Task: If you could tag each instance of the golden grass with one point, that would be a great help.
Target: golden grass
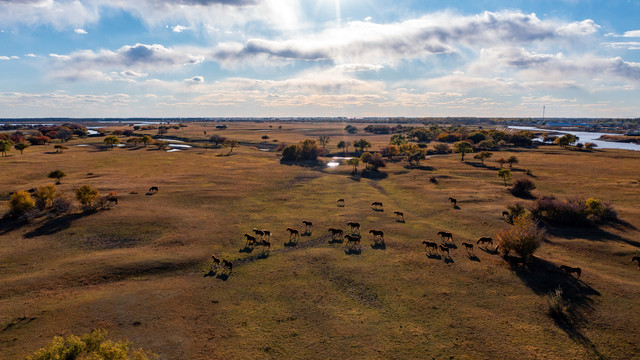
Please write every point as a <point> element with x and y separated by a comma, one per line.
<point>136,269</point>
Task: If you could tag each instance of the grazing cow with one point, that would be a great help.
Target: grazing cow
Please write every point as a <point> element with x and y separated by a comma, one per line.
<point>340,202</point>
<point>216,261</point>
<point>445,235</point>
<point>636,258</point>
<point>258,232</point>
<point>251,240</point>
<point>293,233</point>
<point>307,225</point>
<point>484,240</point>
<point>153,189</point>
<point>468,246</point>
<point>430,245</point>
<point>399,215</point>
<point>376,205</point>
<point>335,232</point>
<point>227,264</point>
<point>353,240</point>
<point>354,226</point>
<point>454,202</point>
<point>570,270</point>
<point>444,249</point>
<point>267,234</point>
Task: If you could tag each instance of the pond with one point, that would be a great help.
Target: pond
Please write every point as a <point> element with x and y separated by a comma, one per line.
<point>585,137</point>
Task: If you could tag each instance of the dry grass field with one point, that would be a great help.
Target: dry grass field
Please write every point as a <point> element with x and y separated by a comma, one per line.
<point>137,269</point>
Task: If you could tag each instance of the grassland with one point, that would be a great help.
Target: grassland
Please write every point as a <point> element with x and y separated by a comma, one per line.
<point>136,269</point>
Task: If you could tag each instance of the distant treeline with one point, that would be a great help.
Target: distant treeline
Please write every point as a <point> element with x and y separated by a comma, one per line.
<point>381,120</point>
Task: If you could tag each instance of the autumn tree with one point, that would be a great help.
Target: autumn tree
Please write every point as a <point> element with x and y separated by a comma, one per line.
<point>45,195</point>
<point>21,202</point>
<point>5,145</point>
<point>512,160</point>
<point>398,139</point>
<point>86,194</point>
<point>523,238</point>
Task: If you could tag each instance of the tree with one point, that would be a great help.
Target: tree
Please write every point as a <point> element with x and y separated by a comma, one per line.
<point>21,202</point>
<point>5,145</point>
<point>324,140</point>
<point>45,195</point>
<point>483,155</point>
<point>354,162</point>
<point>86,194</point>
<point>57,174</point>
<point>146,140</point>
<point>111,141</point>
<point>462,147</point>
<point>442,148</point>
<point>342,145</point>
<point>512,160</point>
<point>416,157</point>
<point>162,145</point>
<point>398,139</point>
<point>502,161</point>
<point>21,146</point>
<point>229,143</point>
<point>362,144</point>
<point>290,153</point>
<point>351,129</point>
<point>366,159</point>
<point>505,175</point>
<point>60,147</point>
<point>523,238</point>
<point>566,140</point>
<point>90,346</point>
<point>217,139</point>
<point>265,138</point>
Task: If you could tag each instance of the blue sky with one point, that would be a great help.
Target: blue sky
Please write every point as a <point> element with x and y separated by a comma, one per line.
<point>268,58</point>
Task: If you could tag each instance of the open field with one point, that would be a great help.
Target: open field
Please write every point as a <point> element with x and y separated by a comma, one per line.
<point>137,269</point>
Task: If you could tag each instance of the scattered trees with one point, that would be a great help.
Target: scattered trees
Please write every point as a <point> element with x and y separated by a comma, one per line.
<point>505,175</point>
<point>146,140</point>
<point>354,162</point>
<point>398,139</point>
<point>362,144</point>
<point>566,140</point>
<point>501,161</point>
<point>416,156</point>
<point>574,212</point>
<point>217,139</point>
<point>512,160</point>
<point>324,140</point>
<point>58,175</point>
<point>463,147</point>
<point>344,145</point>
<point>306,150</point>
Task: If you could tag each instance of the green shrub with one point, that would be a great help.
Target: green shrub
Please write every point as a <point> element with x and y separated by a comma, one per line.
<point>86,194</point>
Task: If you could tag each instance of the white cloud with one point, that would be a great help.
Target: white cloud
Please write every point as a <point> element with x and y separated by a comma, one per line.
<point>80,31</point>
<point>388,44</point>
<point>30,55</point>
<point>6,58</point>
<point>180,28</point>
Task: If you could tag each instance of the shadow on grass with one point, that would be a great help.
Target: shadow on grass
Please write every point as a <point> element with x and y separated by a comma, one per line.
<point>448,260</point>
<point>400,221</point>
<point>380,245</point>
<point>450,245</point>
<point>592,233</point>
<point>315,164</point>
<point>479,165</point>
<point>246,250</point>
<point>57,224</point>
<point>433,256</point>
<point>373,174</point>
<point>306,233</point>
<point>420,167</point>
<point>544,277</point>
<point>473,257</point>
<point>353,251</point>
<point>291,243</point>
<point>377,209</point>
<point>490,251</point>
<point>456,207</point>
<point>336,241</point>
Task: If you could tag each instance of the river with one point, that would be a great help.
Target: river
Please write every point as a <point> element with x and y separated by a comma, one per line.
<point>585,137</point>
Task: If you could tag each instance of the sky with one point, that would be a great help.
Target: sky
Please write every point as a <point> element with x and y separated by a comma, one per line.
<point>320,58</point>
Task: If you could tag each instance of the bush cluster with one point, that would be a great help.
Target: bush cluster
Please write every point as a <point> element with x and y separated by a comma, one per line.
<point>574,212</point>
<point>522,187</point>
<point>523,238</point>
<point>304,151</point>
